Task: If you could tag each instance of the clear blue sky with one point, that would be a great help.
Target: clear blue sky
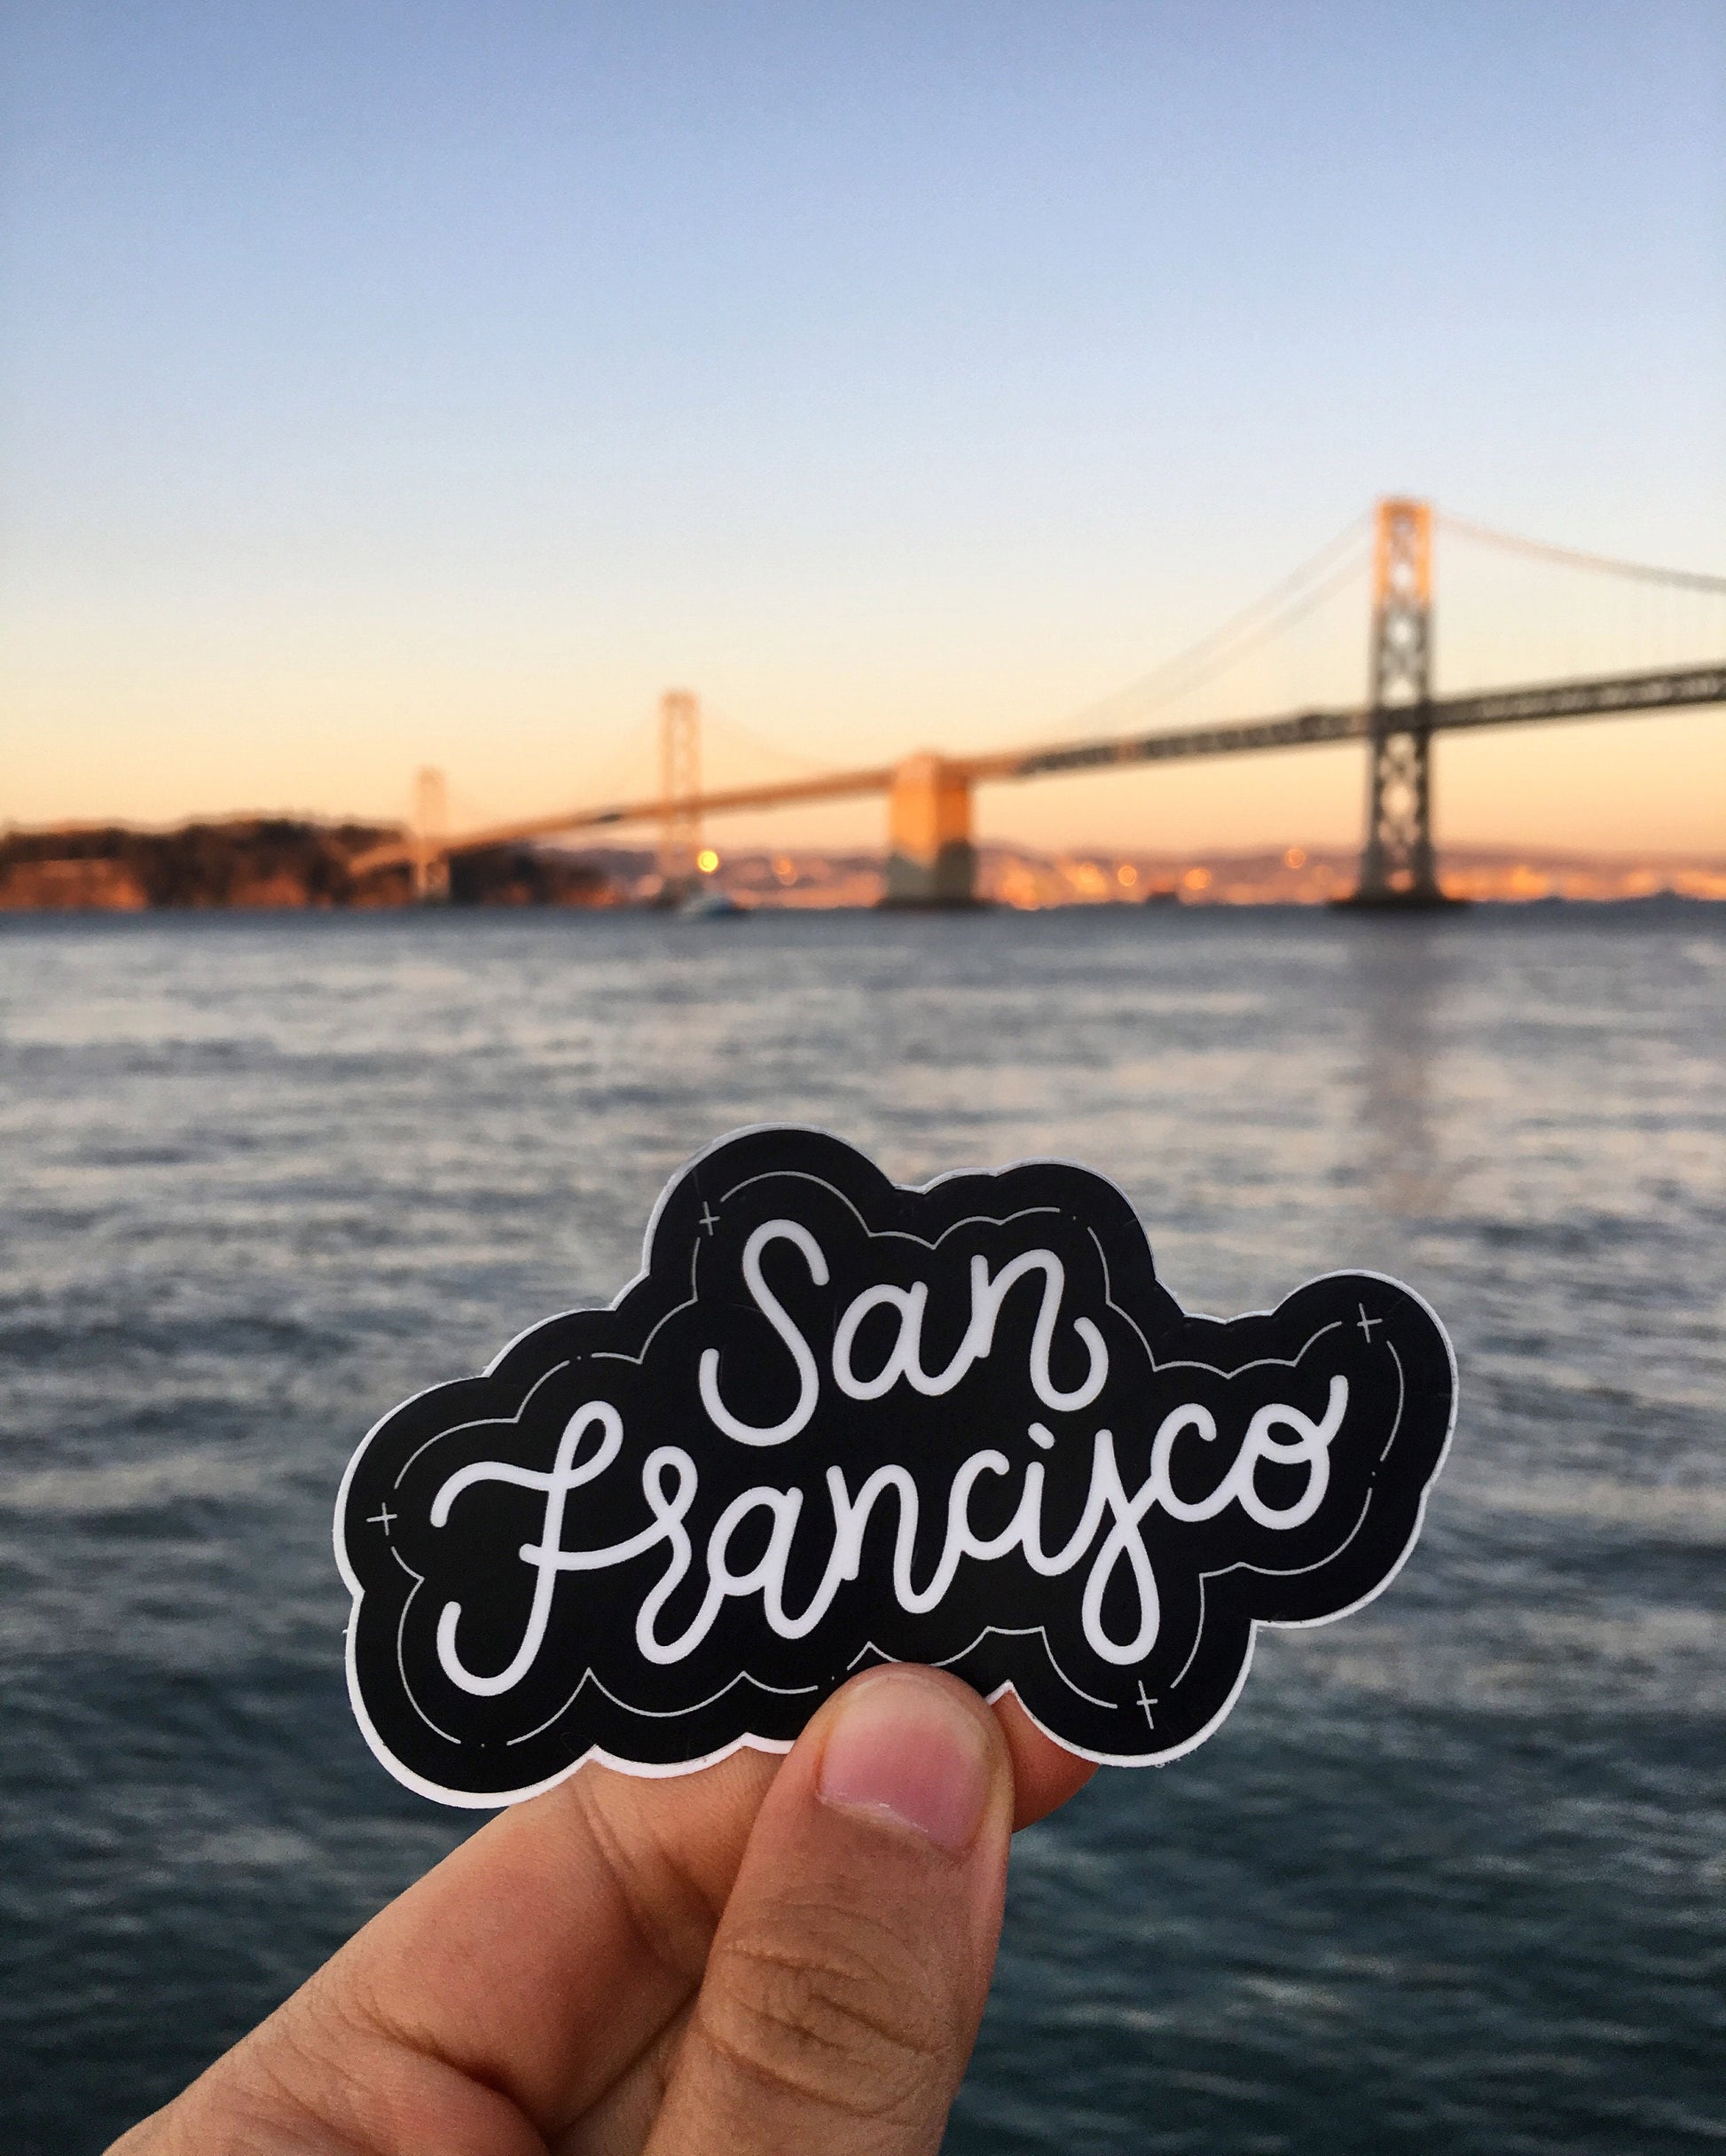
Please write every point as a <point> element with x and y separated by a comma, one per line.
<point>393,383</point>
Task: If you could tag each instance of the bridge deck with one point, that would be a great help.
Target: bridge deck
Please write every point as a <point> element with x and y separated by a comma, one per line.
<point>1617,695</point>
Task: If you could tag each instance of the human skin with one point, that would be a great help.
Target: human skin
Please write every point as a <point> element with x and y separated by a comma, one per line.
<point>774,1954</point>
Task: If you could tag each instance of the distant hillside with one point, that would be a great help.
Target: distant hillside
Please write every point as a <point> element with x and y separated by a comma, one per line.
<point>263,861</point>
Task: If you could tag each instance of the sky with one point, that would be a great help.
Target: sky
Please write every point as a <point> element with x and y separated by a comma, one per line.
<point>388,385</point>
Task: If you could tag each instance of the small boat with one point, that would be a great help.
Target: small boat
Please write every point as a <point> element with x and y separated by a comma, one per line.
<point>708,901</point>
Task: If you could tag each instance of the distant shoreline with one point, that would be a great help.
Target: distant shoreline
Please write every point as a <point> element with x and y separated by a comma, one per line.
<point>264,864</point>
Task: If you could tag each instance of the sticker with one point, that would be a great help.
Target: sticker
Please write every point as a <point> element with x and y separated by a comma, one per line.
<point>834,1421</point>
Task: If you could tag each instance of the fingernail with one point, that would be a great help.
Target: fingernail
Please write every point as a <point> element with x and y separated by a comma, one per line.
<point>905,1749</point>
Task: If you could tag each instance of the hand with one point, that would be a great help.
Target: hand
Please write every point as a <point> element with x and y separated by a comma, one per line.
<point>771,1955</point>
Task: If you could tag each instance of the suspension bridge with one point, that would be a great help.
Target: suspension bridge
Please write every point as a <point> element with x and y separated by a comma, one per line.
<point>931,857</point>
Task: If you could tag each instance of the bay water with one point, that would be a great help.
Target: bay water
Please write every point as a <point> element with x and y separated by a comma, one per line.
<point>1451,1877</point>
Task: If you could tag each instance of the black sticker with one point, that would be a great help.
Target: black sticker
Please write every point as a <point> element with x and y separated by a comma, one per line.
<point>833,1421</point>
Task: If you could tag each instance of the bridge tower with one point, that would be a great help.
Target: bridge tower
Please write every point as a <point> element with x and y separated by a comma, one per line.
<point>679,784</point>
<point>1397,864</point>
<point>431,829</point>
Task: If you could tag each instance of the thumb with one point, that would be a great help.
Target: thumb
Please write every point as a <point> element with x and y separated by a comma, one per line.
<point>848,1971</point>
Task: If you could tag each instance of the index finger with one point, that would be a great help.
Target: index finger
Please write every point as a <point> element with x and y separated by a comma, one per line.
<point>1045,1774</point>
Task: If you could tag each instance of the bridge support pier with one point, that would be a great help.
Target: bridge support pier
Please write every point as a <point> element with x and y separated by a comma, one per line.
<point>430,863</point>
<point>931,861</point>
<point>1398,865</point>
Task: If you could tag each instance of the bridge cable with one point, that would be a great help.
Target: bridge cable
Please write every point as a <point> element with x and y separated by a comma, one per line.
<point>716,721</point>
<point>1571,557</point>
<point>1243,633</point>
